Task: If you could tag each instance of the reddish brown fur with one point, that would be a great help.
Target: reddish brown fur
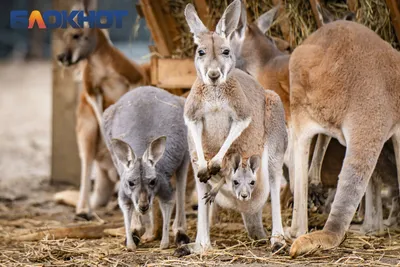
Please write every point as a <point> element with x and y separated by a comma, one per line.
<point>345,79</point>
<point>110,74</point>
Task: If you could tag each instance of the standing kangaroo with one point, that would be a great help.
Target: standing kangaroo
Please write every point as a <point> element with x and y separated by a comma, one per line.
<point>227,110</point>
<point>147,138</point>
<point>107,75</point>
<point>343,81</point>
<point>258,55</point>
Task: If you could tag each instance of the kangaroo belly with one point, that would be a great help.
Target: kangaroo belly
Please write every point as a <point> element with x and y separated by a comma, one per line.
<point>215,130</point>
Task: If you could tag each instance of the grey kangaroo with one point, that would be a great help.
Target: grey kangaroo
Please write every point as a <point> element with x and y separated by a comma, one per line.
<point>147,137</point>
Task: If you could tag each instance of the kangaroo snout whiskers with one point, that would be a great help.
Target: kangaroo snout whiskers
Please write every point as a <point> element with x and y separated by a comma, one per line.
<point>214,75</point>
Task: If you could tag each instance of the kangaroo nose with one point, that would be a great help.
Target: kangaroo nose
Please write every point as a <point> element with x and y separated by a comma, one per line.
<point>244,195</point>
<point>213,75</point>
<point>144,208</point>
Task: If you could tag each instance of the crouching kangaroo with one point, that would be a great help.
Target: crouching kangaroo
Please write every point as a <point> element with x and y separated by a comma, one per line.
<point>147,137</point>
<point>228,111</point>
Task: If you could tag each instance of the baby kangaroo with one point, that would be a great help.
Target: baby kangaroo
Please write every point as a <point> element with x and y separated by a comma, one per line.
<point>147,138</point>
<point>241,179</point>
<point>228,111</point>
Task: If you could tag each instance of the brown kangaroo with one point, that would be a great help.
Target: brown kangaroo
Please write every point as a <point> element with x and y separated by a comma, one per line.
<point>107,75</point>
<point>227,110</point>
<point>343,82</point>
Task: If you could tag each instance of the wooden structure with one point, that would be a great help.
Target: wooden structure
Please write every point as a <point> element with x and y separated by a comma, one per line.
<point>65,164</point>
<point>180,73</point>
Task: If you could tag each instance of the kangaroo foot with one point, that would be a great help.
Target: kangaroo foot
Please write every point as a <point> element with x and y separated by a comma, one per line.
<point>313,242</point>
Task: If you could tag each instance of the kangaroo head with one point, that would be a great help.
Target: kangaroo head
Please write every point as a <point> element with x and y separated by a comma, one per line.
<point>249,38</point>
<point>244,178</point>
<point>214,60</point>
<point>139,179</point>
<point>78,43</point>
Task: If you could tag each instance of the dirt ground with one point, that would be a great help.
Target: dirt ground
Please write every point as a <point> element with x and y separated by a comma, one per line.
<point>26,204</point>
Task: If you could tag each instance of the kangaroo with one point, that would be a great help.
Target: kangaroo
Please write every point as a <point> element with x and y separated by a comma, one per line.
<point>107,75</point>
<point>240,179</point>
<point>344,102</point>
<point>227,110</point>
<point>148,139</point>
<point>258,55</point>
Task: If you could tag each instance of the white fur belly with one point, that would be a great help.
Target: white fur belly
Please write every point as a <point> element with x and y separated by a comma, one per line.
<point>216,129</point>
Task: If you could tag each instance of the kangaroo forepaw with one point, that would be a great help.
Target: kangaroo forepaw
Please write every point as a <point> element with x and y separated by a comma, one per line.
<point>214,167</point>
<point>203,175</point>
<point>136,237</point>
<point>209,197</point>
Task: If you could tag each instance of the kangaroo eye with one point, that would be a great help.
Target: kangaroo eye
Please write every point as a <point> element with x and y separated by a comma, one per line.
<point>152,182</point>
<point>235,182</point>
<point>226,52</point>
<point>201,53</point>
<point>252,182</point>
<point>76,36</point>
<point>131,183</point>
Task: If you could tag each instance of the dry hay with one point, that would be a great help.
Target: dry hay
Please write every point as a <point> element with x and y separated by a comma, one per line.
<point>230,242</point>
<point>298,16</point>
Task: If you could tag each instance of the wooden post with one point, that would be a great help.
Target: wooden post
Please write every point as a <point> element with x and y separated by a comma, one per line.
<point>65,165</point>
<point>315,11</point>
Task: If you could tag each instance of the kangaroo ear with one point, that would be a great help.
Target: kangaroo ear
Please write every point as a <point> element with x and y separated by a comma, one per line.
<point>324,15</point>
<point>155,150</point>
<point>264,22</point>
<point>254,163</point>
<point>236,161</point>
<point>124,153</point>
<point>195,24</point>
<point>229,20</point>
<point>241,28</point>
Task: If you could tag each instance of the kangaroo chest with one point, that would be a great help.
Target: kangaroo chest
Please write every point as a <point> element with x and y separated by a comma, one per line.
<point>217,120</point>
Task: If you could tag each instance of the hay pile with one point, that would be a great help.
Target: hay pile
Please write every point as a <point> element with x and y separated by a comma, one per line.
<point>298,16</point>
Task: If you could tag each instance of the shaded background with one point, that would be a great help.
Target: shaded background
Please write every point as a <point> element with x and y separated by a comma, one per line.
<point>26,92</point>
<point>35,43</point>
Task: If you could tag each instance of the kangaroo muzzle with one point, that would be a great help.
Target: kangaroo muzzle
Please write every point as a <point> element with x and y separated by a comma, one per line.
<point>214,75</point>
<point>144,203</point>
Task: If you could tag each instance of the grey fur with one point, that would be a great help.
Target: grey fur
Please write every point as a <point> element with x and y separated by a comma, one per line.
<point>141,118</point>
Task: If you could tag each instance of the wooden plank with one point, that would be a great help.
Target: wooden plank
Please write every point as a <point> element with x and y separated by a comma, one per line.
<point>155,22</point>
<point>394,15</point>
<point>175,73</point>
<point>65,164</point>
<point>315,12</point>
<point>203,11</point>
<point>353,5</point>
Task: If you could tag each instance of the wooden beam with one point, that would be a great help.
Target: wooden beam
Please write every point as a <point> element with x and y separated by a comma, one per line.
<point>173,73</point>
<point>394,15</point>
<point>65,164</point>
<point>353,5</point>
<point>152,11</point>
<point>203,11</point>
<point>315,12</point>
